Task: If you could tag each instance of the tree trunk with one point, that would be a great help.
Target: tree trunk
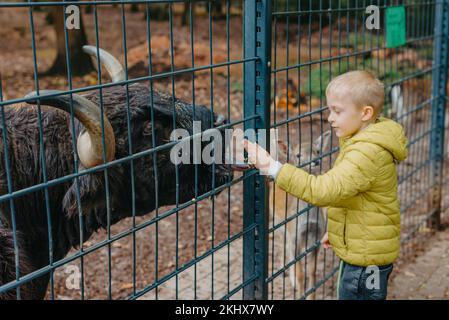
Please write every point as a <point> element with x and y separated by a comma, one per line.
<point>185,18</point>
<point>158,11</point>
<point>217,9</point>
<point>134,7</point>
<point>80,63</point>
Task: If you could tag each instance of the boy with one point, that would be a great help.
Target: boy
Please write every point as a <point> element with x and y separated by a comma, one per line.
<point>360,190</point>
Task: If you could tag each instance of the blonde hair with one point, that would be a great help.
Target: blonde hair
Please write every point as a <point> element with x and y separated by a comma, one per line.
<point>366,89</point>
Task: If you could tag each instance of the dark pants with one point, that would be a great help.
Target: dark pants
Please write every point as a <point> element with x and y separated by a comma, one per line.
<point>363,283</point>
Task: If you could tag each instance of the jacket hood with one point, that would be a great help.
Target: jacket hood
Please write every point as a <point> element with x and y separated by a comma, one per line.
<point>386,133</point>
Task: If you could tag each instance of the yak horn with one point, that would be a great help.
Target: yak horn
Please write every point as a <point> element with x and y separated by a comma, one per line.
<point>89,142</point>
<point>112,65</point>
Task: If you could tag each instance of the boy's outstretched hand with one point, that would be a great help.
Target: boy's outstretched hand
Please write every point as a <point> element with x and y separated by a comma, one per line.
<point>258,156</point>
<point>325,241</point>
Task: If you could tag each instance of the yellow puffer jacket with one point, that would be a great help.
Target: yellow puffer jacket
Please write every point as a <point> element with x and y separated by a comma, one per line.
<point>360,192</point>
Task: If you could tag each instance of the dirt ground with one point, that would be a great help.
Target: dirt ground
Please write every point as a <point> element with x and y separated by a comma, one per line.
<point>426,276</point>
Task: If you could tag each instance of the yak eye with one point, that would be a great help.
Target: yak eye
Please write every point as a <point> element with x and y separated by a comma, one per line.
<point>147,129</point>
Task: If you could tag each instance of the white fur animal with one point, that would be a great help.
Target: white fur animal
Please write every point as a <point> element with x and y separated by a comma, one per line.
<point>309,227</point>
<point>397,102</point>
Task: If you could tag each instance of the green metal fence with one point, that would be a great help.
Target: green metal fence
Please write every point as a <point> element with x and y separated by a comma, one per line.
<point>134,231</point>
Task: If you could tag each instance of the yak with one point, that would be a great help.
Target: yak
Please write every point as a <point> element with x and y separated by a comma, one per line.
<point>135,118</point>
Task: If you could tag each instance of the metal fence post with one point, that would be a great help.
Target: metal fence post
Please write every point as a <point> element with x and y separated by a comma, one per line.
<point>439,83</point>
<point>257,43</point>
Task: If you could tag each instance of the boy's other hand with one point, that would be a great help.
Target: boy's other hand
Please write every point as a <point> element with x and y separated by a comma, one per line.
<point>325,241</point>
<point>258,156</point>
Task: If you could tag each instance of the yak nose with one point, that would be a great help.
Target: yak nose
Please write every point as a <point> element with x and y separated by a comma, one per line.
<point>219,120</point>
<point>316,163</point>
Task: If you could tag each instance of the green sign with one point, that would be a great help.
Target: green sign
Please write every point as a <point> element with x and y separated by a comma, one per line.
<point>395,26</point>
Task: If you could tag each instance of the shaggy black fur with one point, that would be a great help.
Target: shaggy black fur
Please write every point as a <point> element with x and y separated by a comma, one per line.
<point>26,170</point>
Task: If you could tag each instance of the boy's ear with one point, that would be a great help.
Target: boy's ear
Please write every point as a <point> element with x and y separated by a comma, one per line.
<point>368,113</point>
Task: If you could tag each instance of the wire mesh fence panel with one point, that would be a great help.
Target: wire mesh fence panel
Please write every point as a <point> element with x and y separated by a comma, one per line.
<point>92,205</point>
<point>313,42</point>
<point>114,184</point>
<point>445,181</point>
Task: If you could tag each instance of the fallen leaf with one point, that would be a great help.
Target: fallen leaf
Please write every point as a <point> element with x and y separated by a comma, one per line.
<point>126,286</point>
